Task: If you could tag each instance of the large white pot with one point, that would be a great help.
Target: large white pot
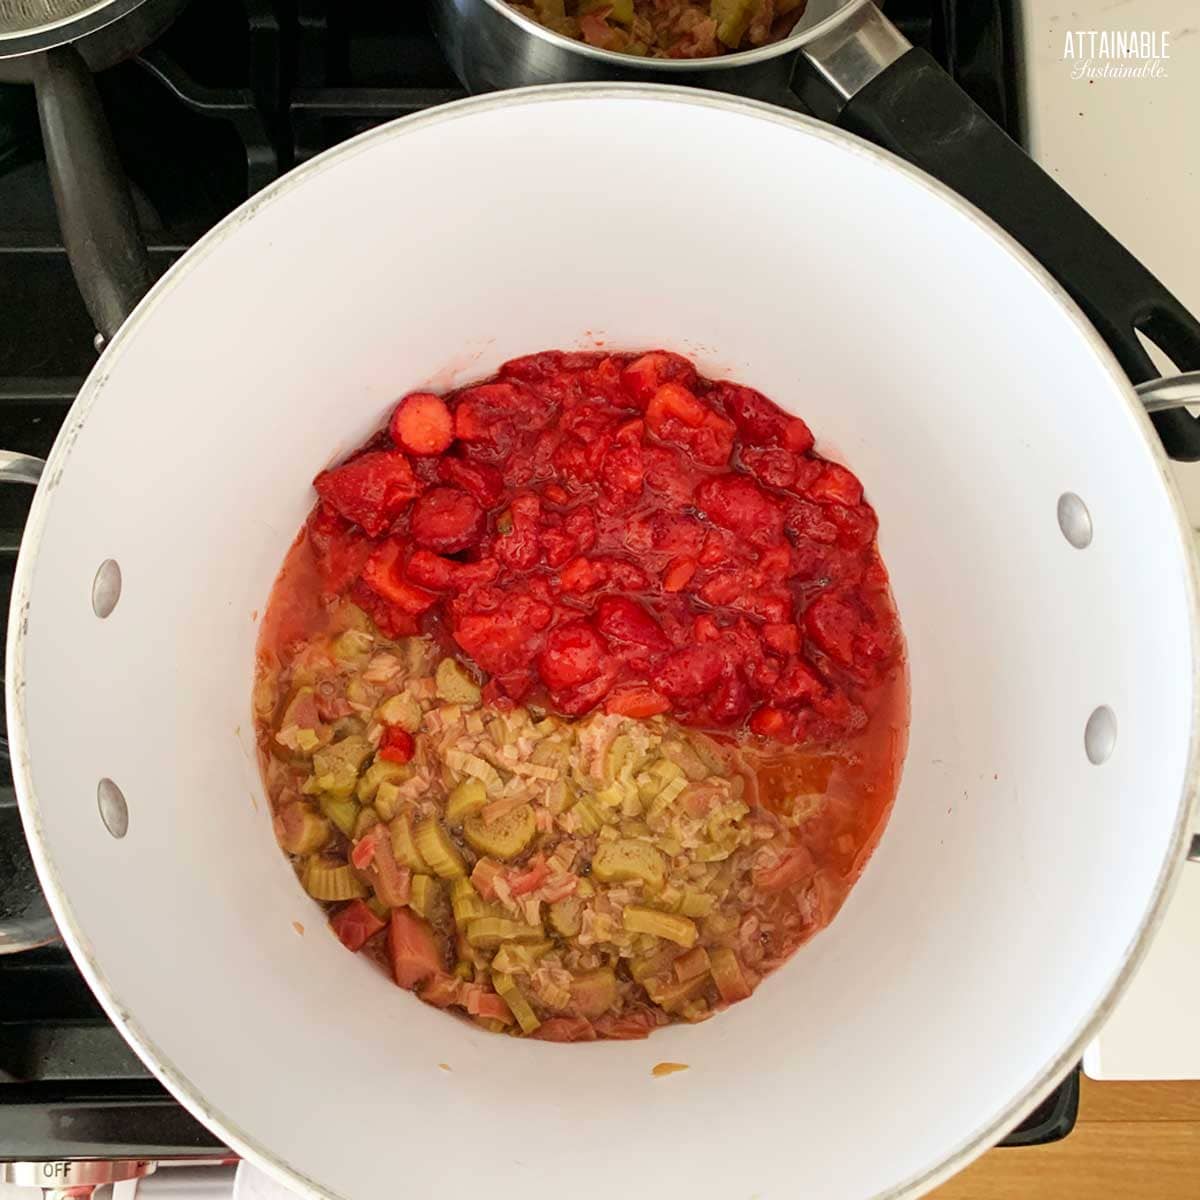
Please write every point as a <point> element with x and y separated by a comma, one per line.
<point>1017,883</point>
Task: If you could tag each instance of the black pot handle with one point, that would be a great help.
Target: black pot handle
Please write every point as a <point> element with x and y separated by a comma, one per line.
<point>871,82</point>
<point>95,207</point>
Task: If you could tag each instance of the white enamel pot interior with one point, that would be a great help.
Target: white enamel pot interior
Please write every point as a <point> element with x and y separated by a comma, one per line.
<point>1017,881</point>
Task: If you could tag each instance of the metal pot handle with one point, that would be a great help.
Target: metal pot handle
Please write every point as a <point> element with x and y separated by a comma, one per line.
<point>863,75</point>
<point>1172,391</point>
<point>20,468</point>
<point>95,206</point>
<point>25,921</point>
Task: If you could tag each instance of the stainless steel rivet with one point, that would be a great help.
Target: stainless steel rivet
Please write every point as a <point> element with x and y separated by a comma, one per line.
<point>1074,520</point>
<point>106,588</point>
<point>1100,734</point>
<point>114,812</point>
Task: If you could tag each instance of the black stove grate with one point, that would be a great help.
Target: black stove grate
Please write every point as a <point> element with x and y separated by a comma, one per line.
<point>233,95</point>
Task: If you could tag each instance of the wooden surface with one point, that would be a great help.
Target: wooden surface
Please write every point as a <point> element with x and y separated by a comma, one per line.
<point>1133,1141</point>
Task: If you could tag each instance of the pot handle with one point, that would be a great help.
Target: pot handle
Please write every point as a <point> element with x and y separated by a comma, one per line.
<point>866,77</point>
<point>20,468</point>
<point>17,468</point>
<point>95,206</point>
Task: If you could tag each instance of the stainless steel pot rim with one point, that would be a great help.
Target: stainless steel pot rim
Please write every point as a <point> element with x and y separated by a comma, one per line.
<point>244,1142</point>
<point>71,27</point>
<point>677,66</point>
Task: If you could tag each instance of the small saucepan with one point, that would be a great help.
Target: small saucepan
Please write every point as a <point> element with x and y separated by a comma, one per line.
<point>848,64</point>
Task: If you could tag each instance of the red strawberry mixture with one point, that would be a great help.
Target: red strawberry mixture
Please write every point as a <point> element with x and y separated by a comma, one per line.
<point>615,531</point>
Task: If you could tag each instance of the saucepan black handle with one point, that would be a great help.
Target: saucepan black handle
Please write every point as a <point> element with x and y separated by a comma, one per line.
<point>912,107</point>
<point>95,206</point>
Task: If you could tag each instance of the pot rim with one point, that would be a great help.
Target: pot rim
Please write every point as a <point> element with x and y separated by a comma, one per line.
<point>669,66</point>
<point>72,27</point>
<point>244,1142</point>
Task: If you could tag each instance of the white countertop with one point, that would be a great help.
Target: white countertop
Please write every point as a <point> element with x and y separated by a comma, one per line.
<point>1129,150</point>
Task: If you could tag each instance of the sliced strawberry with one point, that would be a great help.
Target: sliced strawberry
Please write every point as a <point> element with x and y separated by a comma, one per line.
<point>429,570</point>
<point>558,546</point>
<point>731,701</point>
<point>783,637</point>
<point>760,421</point>
<point>624,620</point>
<point>623,471</point>
<point>769,722</point>
<point>447,519</point>
<point>813,521</point>
<point>835,485</point>
<point>797,436</point>
<point>678,574</point>
<point>583,575</point>
<point>382,574</point>
<point>773,466</point>
<point>339,547</point>
<point>797,685</point>
<point>391,621</point>
<point>673,402</point>
<point>573,655</point>
<point>397,745</point>
<point>642,377</point>
<point>422,424</point>
<point>689,674</point>
<point>712,443</point>
<point>480,480</point>
<point>504,642</point>
<point>832,621</point>
<point>490,415</point>
<point>370,490</point>
<point>580,523</point>
<point>519,544</point>
<point>856,526</point>
<point>575,701</point>
<point>737,503</point>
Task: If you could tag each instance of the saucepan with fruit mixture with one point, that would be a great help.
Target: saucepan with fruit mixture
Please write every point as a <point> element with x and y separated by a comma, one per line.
<point>597,652</point>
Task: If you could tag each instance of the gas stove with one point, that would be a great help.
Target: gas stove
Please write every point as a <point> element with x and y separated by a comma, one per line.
<point>232,96</point>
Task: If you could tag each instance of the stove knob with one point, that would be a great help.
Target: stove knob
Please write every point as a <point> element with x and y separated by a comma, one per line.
<point>73,1180</point>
